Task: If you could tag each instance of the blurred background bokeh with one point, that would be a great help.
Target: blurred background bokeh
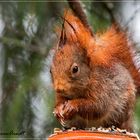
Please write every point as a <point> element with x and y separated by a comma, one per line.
<point>27,36</point>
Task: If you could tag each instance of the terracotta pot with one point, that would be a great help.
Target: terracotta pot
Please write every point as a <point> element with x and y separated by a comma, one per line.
<point>87,135</point>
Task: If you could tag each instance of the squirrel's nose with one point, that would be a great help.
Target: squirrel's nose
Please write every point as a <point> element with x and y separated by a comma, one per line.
<point>61,86</point>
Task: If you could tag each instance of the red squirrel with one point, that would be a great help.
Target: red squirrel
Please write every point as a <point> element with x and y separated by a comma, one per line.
<point>94,77</point>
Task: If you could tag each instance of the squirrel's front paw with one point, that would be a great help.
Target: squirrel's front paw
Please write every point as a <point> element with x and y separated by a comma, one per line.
<point>58,111</point>
<point>69,110</point>
<point>65,111</point>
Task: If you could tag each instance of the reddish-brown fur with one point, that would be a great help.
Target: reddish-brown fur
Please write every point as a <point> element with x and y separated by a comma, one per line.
<point>102,93</point>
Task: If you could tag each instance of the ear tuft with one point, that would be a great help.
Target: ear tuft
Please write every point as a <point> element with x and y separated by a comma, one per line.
<point>74,31</point>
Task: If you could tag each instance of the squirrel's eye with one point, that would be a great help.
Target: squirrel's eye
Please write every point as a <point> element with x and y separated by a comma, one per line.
<point>50,71</point>
<point>75,69</point>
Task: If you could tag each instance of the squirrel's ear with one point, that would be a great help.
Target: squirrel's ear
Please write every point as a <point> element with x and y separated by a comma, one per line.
<point>74,31</point>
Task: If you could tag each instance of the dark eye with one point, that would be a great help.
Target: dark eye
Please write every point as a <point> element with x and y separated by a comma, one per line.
<point>50,71</point>
<point>75,69</point>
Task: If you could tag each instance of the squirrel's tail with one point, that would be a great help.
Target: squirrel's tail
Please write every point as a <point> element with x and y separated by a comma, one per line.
<point>121,49</point>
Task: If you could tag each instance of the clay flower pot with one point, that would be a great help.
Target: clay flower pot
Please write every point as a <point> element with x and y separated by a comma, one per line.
<point>88,135</point>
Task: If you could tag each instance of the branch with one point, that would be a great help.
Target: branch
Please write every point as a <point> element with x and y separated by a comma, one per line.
<point>109,10</point>
<point>29,47</point>
<point>7,41</point>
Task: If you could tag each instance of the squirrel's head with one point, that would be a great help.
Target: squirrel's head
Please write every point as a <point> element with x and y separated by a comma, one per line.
<point>78,53</point>
<point>70,67</point>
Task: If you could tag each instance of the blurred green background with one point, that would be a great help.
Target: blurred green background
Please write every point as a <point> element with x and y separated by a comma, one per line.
<point>27,36</point>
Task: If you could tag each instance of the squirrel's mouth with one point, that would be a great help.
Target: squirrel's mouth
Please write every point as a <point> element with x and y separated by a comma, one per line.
<point>67,95</point>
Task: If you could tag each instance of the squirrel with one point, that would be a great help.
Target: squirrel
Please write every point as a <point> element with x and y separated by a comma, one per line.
<point>94,76</point>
